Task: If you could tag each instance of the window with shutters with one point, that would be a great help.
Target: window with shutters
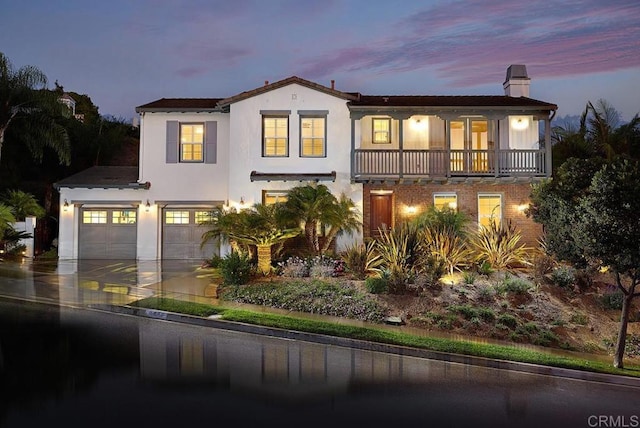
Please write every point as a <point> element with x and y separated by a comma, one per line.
<point>191,142</point>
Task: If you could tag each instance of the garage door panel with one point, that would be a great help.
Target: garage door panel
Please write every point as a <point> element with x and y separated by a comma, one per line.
<point>102,238</point>
<point>182,241</point>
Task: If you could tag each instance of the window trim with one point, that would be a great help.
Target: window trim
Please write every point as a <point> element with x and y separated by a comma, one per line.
<point>499,195</point>
<point>276,193</point>
<point>324,137</point>
<point>446,194</point>
<point>373,130</point>
<point>276,115</point>
<point>180,143</point>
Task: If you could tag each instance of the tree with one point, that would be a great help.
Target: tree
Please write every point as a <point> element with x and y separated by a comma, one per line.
<point>312,206</point>
<point>6,219</point>
<point>261,225</point>
<point>23,204</point>
<point>554,204</point>
<point>29,110</point>
<point>608,233</point>
<point>342,218</point>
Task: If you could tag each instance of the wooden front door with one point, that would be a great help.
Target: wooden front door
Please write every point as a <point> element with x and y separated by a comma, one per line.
<point>381,213</point>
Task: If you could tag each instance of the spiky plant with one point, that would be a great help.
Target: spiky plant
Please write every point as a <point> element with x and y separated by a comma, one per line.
<point>362,260</point>
<point>499,245</point>
<point>446,245</point>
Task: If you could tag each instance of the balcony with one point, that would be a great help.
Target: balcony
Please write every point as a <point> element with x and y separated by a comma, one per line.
<point>372,164</point>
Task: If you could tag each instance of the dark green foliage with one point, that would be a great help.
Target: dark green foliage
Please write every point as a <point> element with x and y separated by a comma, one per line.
<point>563,276</point>
<point>612,299</point>
<point>236,268</point>
<point>376,285</point>
<point>514,284</point>
<point>507,320</point>
<point>446,219</point>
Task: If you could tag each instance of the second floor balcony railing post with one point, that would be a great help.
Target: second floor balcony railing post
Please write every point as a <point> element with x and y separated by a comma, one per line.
<point>400,148</point>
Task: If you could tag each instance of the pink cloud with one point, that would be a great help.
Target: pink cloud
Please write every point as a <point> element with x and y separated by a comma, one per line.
<point>471,43</point>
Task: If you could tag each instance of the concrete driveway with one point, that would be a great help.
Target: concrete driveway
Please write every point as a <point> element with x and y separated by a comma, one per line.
<point>88,282</point>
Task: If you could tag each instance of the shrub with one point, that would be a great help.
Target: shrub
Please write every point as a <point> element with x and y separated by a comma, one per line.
<point>486,293</point>
<point>579,318</point>
<point>507,320</point>
<point>499,245</point>
<point>514,284</point>
<point>376,285</point>
<point>612,299</point>
<point>294,267</point>
<point>362,260</point>
<point>316,296</point>
<point>324,267</point>
<point>447,246</point>
<point>437,219</point>
<point>484,268</point>
<point>466,311</point>
<point>213,262</point>
<point>542,265</point>
<point>563,276</point>
<point>469,277</point>
<point>486,314</point>
<point>401,254</point>
<point>236,268</point>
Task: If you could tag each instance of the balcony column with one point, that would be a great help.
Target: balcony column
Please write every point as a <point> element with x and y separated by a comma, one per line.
<point>547,147</point>
<point>400,147</point>
<point>353,148</point>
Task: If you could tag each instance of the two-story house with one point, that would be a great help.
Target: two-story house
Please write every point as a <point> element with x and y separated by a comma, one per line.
<point>392,155</point>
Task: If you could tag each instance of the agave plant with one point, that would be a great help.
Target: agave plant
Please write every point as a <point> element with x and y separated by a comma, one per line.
<point>499,245</point>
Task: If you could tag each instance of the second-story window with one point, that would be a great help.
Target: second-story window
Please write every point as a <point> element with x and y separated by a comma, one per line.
<point>191,142</point>
<point>275,136</point>
<point>381,131</point>
<point>312,137</point>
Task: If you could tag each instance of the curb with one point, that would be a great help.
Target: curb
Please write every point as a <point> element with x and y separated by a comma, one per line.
<point>373,346</point>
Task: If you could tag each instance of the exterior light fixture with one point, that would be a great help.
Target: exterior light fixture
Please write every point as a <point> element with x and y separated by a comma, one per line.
<point>522,207</point>
<point>66,206</point>
<point>411,208</point>
<point>147,206</point>
<point>520,123</point>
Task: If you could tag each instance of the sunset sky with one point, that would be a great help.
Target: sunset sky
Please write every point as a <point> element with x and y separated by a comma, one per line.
<point>125,53</point>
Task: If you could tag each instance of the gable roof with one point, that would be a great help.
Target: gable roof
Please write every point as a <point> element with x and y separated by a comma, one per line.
<point>449,101</point>
<point>181,104</point>
<point>288,81</point>
<point>104,177</point>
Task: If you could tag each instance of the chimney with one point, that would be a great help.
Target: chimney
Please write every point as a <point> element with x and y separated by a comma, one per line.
<point>333,84</point>
<point>266,82</point>
<point>517,82</point>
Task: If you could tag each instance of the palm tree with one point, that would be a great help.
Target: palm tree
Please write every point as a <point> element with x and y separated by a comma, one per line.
<point>6,219</point>
<point>342,218</point>
<point>23,204</point>
<point>311,206</point>
<point>30,109</point>
<point>260,225</point>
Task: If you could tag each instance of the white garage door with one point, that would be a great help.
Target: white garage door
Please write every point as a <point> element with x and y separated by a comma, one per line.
<point>107,233</point>
<point>182,231</point>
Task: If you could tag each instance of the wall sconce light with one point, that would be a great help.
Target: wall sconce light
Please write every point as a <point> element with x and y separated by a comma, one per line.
<point>241,200</point>
<point>147,206</point>
<point>66,206</point>
<point>520,123</point>
<point>522,207</point>
<point>411,209</point>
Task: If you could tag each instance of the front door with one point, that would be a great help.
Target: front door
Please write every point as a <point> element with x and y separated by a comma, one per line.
<point>381,213</point>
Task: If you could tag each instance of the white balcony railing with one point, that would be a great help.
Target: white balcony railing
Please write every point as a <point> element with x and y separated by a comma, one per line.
<point>448,163</point>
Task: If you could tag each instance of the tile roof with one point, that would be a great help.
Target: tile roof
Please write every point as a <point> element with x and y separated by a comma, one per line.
<point>448,101</point>
<point>181,104</point>
<point>288,81</point>
<point>119,177</point>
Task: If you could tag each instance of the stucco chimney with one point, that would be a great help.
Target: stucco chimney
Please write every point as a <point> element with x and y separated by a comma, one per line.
<point>517,82</point>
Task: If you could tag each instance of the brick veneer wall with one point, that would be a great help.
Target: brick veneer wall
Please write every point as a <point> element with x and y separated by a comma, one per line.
<point>421,196</point>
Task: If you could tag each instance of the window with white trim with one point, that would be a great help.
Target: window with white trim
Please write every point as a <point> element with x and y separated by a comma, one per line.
<point>312,136</point>
<point>489,208</point>
<point>445,201</point>
<point>275,136</point>
<point>191,142</point>
<point>381,128</point>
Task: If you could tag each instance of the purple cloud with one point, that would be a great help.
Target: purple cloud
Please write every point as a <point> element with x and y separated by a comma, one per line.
<point>472,42</point>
